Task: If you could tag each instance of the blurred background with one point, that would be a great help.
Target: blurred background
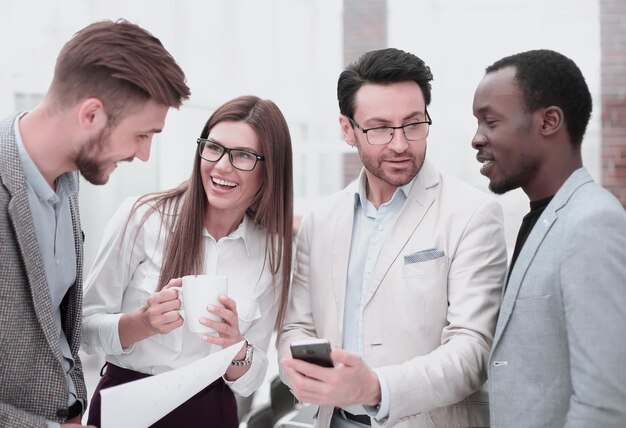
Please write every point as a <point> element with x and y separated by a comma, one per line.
<point>292,52</point>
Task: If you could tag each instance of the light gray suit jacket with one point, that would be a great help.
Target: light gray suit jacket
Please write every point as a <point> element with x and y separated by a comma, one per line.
<point>33,382</point>
<point>559,353</point>
<point>431,304</point>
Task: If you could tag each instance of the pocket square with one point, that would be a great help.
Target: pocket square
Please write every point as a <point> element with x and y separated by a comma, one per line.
<point>423,256</point>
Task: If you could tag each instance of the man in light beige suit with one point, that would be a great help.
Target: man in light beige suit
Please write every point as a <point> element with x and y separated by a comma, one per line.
<point>401,271</point>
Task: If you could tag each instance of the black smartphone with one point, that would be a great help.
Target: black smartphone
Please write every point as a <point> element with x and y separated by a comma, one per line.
<point>316,351</point>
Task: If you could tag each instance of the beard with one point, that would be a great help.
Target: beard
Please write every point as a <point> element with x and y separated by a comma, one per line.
<point>525,172</point>
<point>393,176</point>
<point>505,185</point>
<point>90,161</point>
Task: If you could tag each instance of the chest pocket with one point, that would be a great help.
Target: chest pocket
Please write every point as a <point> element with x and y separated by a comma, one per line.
<point>248,312</point>
<point>429,268</point>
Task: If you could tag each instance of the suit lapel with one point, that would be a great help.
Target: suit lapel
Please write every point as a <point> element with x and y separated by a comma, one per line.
<point>73,314</point>
<point>21,218</point>
<point>525,258</point>
<point>532,244</point>
<point>415,208</point>
<point>342,238</point>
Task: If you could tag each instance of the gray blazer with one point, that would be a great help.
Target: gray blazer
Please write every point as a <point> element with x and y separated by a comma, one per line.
<point>33,382</point>
<point>558,356</point>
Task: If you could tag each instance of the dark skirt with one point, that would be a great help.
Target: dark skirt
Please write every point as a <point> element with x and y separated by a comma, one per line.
<point>214,406</point>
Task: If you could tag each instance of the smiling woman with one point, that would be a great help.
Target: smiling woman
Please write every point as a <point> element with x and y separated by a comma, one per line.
<point>236,207</point>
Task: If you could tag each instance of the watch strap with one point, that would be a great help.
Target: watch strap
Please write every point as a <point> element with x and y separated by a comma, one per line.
<point>247,360</point>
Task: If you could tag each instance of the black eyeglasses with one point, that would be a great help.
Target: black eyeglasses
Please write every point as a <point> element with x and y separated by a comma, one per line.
<point>212,151</point>
<point>380,135</point>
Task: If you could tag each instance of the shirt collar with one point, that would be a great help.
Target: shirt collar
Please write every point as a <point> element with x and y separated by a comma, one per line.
<point>66,183</point>
<point>360,193</point>
<point>242,232</point>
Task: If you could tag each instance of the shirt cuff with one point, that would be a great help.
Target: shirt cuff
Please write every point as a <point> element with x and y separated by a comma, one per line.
<point>109,331</point>
<point>251,380</point>
<point>380,412</point>
<point>53,424</point>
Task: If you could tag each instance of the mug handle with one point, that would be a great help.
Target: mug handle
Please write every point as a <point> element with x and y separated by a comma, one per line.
<point>179,291</point>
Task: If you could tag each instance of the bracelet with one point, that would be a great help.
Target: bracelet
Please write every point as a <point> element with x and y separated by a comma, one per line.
<point>247,360</point>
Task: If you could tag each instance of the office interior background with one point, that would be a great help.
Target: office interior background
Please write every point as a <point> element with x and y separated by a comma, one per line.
<point>292,52</point>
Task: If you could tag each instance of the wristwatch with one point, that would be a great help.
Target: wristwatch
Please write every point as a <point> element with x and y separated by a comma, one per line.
<point>247,360</point>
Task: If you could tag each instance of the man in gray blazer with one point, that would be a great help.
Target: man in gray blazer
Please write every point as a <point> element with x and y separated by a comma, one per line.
<point>558,353</point>
<point>112,87</point>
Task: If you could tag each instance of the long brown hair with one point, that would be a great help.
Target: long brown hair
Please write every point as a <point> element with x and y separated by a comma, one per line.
<point>183,208</point>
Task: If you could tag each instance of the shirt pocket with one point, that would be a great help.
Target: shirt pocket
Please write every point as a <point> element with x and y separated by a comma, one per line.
<point>172,340</point>
<point>248,312</point>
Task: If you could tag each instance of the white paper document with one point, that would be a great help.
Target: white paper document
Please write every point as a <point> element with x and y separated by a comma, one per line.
<point>141,403</point>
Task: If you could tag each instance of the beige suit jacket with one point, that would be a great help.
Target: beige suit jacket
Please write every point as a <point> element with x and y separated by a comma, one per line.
<point>428,324</point>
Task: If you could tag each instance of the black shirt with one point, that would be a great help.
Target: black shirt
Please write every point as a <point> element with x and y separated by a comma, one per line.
<point>536,208</point>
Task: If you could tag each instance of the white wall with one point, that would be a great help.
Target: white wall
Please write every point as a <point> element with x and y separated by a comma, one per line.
<point>291,51</point>
<point>459,38</point>
<point>288,51</point>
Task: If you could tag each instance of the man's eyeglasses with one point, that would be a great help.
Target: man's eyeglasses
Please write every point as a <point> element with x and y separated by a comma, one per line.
<point>212,151</point>
<point>380,135</point>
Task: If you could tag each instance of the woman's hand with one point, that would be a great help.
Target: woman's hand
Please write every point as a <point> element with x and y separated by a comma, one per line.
<point>160,315</point>
<point>228,333</point>
<point>228,328</point>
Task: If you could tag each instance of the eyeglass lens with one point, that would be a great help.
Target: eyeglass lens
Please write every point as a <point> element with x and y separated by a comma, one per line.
<point>240,159</point>
<point>412,132</point>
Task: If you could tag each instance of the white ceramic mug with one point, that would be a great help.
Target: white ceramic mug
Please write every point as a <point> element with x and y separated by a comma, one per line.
<point>197,292</point>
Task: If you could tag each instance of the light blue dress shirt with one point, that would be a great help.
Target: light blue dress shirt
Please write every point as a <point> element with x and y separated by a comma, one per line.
<point>51,215</point>
<point>369,231</point>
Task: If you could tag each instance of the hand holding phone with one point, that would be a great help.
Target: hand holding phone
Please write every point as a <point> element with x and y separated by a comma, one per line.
<point>315,351</point>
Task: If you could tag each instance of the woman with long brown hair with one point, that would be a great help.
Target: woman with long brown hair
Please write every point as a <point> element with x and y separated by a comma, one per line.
<point>232,217</point>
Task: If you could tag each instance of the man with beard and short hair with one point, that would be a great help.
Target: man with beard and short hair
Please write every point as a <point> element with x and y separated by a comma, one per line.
<point>113,85</point>
<point>558,352</point>
<point>401,271</point>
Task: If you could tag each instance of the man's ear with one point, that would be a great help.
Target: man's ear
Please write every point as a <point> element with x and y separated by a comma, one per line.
<point>91,115</point>
<point>552,120</point>
<point>347,130</point>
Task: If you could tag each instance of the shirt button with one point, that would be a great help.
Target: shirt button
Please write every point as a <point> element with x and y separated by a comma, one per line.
<point>381,227</point>
<point>58,261</point>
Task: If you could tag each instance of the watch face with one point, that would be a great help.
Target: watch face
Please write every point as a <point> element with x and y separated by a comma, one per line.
<point>248,359</point>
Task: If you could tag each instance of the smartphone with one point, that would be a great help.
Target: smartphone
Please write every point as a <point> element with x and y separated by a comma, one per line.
<point>315,351</point>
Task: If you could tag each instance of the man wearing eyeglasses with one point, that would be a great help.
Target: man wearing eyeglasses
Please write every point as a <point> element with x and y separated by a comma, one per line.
<point>401,271</point>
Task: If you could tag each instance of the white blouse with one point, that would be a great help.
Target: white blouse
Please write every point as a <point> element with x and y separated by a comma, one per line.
<point>126,272</point>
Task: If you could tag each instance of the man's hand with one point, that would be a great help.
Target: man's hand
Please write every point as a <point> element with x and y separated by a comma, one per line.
<point>71,425</point>
<point>75,423</point>
<point>349,382</point>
